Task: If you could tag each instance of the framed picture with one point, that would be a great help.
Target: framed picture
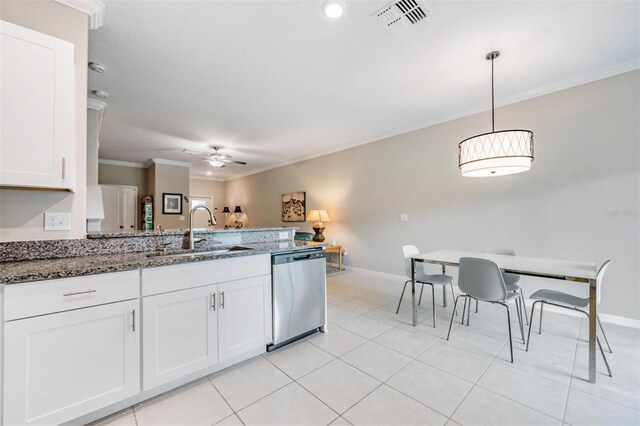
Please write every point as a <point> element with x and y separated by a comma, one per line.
<point>171,203</point>
<point>294,207</point>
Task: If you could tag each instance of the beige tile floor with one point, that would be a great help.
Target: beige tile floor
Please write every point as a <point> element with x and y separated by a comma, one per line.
<point>374,368</point>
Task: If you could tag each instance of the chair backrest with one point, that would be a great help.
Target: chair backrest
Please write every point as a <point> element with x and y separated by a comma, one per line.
<point>410,251</point>
<point>482,279</point>
<point>601,272</point>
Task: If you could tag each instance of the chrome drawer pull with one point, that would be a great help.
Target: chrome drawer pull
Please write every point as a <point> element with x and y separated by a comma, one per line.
<point>73,293</point>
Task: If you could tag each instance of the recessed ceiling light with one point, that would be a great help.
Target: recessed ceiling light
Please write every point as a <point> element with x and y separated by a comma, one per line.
<point>94,66</point>
<point>333,9</point>
<point>100,93</point>
<point>209,173</point>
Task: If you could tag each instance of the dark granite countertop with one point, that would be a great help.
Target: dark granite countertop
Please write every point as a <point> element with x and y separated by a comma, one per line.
<point>46,269</point>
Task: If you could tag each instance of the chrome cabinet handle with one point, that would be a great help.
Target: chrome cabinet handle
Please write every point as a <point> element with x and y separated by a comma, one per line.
<point>74,293</point>
<point>133,320</point>
<point>64,166</point>
<point>222,300</point>
<point>213,301</point>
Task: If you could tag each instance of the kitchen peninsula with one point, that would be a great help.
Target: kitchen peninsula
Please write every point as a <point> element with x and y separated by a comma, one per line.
<point>102,320</point>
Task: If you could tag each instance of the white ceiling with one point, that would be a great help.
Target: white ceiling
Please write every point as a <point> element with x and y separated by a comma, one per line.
<point>275,81</point>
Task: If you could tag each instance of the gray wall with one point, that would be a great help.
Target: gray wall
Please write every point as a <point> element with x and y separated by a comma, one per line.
<point>22,212</point>
<point>171,179</point>
<point>122,175</point>
<point>579,201</point>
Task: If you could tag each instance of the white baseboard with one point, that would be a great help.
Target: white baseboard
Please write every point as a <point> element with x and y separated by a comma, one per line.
<point>608,318</point>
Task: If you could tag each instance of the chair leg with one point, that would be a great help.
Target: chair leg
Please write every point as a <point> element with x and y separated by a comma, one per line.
<point>402,295</point>
<point>524,306</point>
<point>420,300</point>
<point>606,363</point>
<point>469,311</point>
<point>455,305</point>
<point>453,297</point>
<point>433,300</point>
<point>540,325</point>
<point>604,334</point>
<point>509,324</point>
<point>533,308</point>
<point>520,322</point>
<point>464,308</point>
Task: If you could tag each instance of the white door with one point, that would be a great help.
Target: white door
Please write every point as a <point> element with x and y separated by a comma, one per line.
<point>61,366</point>
<point>244,316</point>
<point>201,217</point>
<point>119,204</point>
<point>36,109</point>
<point>180,334</point>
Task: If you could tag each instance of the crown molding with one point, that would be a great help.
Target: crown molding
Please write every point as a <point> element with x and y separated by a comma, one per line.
<point>96,104</point>
<point>211,178</point>
<point>93,8</point>
<point>578,80</point>
<point>166,162</point>
<point>121,163</point>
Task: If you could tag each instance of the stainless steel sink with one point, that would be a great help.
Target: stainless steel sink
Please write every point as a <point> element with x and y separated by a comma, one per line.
<point>201,253</point>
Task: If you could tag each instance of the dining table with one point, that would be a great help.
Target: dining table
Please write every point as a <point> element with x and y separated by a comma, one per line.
<point>581,273</point>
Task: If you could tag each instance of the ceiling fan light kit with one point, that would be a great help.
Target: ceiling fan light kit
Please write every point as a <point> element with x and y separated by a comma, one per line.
<point>215,159</point>
<point>496,153</point>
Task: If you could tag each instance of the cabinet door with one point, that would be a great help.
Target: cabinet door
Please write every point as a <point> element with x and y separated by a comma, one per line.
<point>244,315</point>
<point>36,110</point>
<point>61,366</point>
<point>180,334</point>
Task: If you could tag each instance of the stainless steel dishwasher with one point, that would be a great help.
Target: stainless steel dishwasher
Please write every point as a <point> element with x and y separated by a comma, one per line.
<point>299,291</point>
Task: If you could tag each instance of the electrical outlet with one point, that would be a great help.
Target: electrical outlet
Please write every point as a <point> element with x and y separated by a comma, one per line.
<point>283,236</point>
<point>57,221</point>
<point>404,217</point>
<point>181,218</point>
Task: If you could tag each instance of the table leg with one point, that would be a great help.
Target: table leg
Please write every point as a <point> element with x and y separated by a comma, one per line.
<point>413,292</point>
<point>340,260</point>
<point>444,290</point>
<point>593,306</point>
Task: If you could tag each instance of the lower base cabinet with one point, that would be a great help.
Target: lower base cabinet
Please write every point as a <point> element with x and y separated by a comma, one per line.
<point>189,330</point>
<point>61,366</point>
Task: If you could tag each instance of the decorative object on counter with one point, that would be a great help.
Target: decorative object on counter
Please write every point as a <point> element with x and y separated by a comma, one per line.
<point>303,236</point>
<point>161,246</point>
<point>226,213</point>
<point>294,206</point>
<point>171,203</point>
<point>318,216</point>
<point>147,213</point>
<point>496,153</point>
<point>333,241</point>
<point>238,219</point>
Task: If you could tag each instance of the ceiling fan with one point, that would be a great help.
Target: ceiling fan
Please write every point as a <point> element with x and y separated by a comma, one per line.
<point>215,158</point>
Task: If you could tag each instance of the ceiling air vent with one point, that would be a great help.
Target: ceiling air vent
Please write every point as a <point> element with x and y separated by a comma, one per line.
<point>400,15</point>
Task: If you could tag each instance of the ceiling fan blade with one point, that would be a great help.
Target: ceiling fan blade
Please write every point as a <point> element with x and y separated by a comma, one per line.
<point>243,163</point>
<point>190,152</point>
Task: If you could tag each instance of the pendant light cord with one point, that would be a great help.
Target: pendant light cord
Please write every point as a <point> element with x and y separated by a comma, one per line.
<point>493,113</point>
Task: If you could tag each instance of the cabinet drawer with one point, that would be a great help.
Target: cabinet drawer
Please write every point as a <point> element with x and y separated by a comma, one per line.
<point>45,297</point>
<point>195,274</point>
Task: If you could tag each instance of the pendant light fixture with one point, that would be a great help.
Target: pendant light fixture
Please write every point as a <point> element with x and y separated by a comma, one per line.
<point>496,153</point>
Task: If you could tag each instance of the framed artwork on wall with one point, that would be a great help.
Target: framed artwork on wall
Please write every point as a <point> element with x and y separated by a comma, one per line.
<point>294,207</point>
<point>171,203</point>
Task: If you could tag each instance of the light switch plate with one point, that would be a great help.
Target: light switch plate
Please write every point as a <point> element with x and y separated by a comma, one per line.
<point>181,217</point>
<point>57,221</point>
<point>404,217</point>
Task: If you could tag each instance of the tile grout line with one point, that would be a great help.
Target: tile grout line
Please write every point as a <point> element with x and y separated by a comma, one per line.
<point>224,399</point>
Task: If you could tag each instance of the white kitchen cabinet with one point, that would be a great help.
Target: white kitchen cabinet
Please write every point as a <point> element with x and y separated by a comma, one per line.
<point>61,366</point>
<point>180,334</point>
<point>244,316</point>
<point>36,110</point>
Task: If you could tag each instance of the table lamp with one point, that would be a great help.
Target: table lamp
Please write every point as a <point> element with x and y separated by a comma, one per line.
<point>226,213</point>
<point>318,216</point>
<point>238,219</point>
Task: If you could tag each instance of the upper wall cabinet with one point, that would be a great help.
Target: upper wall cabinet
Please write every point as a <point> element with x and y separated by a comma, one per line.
<point>37,130</point>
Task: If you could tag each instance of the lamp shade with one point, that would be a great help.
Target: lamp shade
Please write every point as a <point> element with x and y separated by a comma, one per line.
<point>318,216</point>
<point>238,210</point>
<point>502,152</point>
<point>226,210</point>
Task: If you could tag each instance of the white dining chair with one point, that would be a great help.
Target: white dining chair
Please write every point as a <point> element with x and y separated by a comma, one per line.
<point>423,278</point>
<point>569,301</point>
<point>510,280</point>
<point>482,280</point>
